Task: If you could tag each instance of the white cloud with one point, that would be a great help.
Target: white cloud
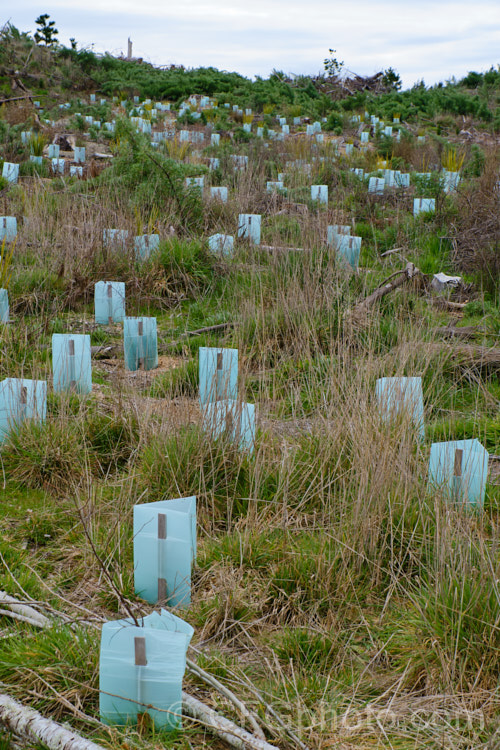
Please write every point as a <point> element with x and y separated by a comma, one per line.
<point>430,40</point>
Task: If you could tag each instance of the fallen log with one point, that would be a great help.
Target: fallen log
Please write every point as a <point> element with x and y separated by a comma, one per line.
<point>446,304</point>
<point>28,724</point>
<point>464,332</point>
<point>21,611</point>
<point>467,355</point>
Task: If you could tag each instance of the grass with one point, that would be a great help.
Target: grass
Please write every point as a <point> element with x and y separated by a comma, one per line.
<point>363,608</point>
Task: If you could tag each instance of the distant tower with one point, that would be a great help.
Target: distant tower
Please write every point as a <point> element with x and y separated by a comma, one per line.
<point>129,53</point>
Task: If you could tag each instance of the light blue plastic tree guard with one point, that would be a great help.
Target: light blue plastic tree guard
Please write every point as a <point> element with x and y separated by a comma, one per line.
<point>319,137</point>
<point>214,139</point>
<point>25,136</point>
<point>348,249</point>
<point>395,395</point>
<point>222,244</point>
<point>376,185</point>
<point>10,172</point>
<point>423,205</point>
<point>75,171</point>
<point>389,177</point>
<point>365,136</point>
<point>141,669</point>
<point>274,186</point>
<point>247,127</point>
<point>53,151</point>
<point>79,154</point>
<point>309,130</point>
<point>140,343</point>
<point>58,165</point>
<point>388,131</point>
<point>8,228</point>
<point>260,132</point>
<point>218,374</point>
<point>115,237</point>
<point>92,97</point>
<point>213,162</point>
<point>450,181</point>
<point>71,362</point>
<point>145,245</point>
<point>359,172</point>
<point>240,161</point>
<point>249,227</point>
<point>235,419</point>
<point>38,160</point>
<point>459,469</point>
<point>21,400</point>
<point>319,193</point>
<point>195,182</point>
<point>88,120</point>
<point>285,129</point>
<point>109,302</point>
<point>421,139</point>
<point>401,179</point>
<point>335,231</point>
<point>317,127</point>
<point>219,193</point>
<point>4,306</point>
<point>349,148</point>
<point>396,120</point>
<point>164,550</point>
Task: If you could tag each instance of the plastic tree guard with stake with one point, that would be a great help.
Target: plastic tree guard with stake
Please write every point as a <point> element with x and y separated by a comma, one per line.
<point>140,343</point>
<point>71,362</point>
<point>218,374</point>
<point>164,550</point>
<point>141,670</point>
<point>21,400</point>
<point>459,469</point>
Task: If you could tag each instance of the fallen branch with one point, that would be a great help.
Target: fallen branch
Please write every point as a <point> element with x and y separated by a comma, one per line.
<point>223,690</point>
<point>28,724</point>
<point>23,611</point>
<point>468,354</point>
<point>208,329</point>
<point>465,332</point>
<point>13,99</point>
<point>394,281</point>
<point>446,304</point>
<point>231,733</point>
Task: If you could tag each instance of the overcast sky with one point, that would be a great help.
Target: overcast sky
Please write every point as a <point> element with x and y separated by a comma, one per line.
<point>427,39</point>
